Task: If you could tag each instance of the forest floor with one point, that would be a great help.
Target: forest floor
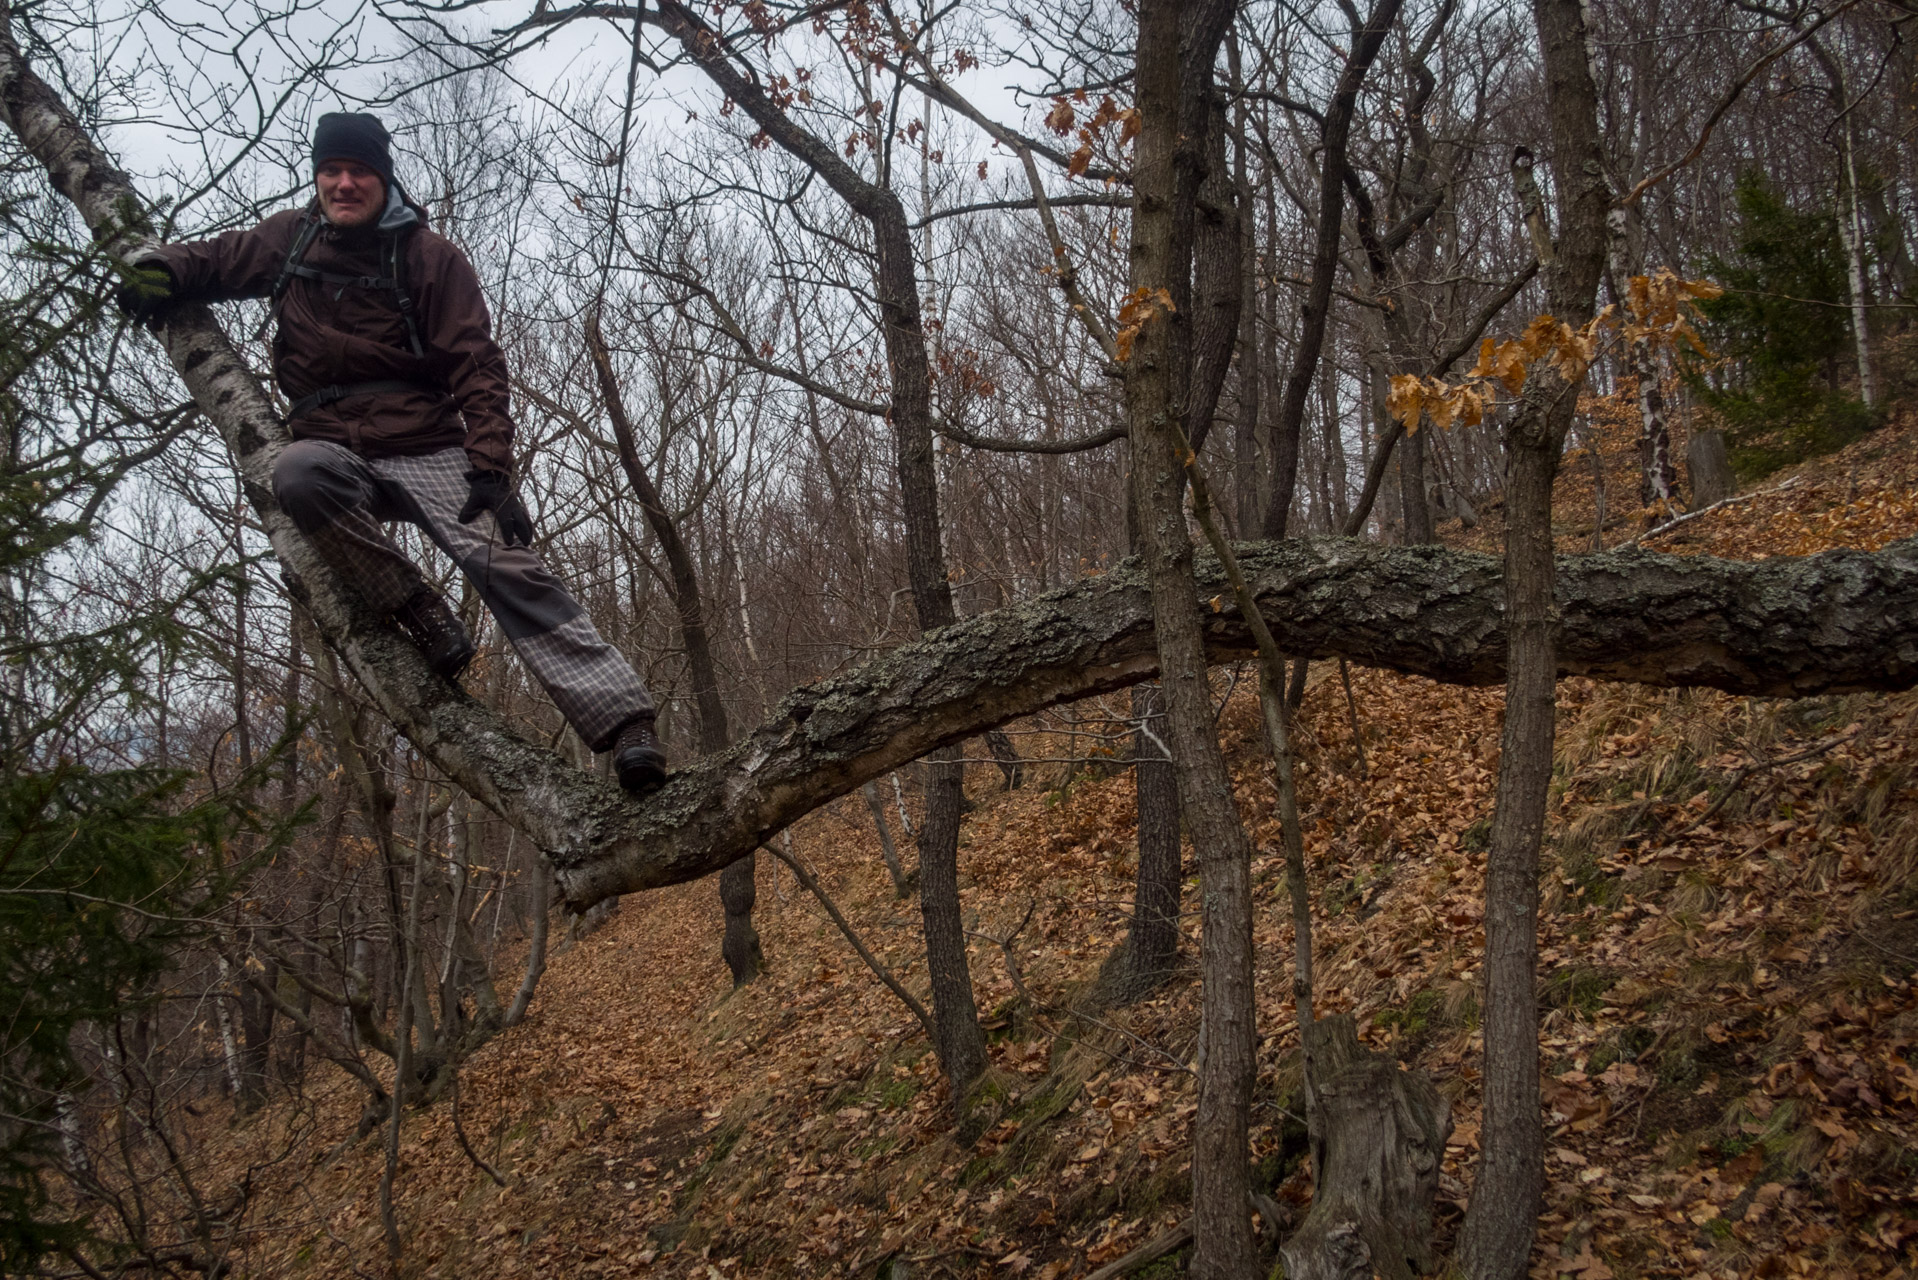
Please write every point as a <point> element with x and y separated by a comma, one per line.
<point>1728,939</point>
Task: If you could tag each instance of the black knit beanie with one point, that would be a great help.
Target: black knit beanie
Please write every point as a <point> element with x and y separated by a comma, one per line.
<point>343,135</point>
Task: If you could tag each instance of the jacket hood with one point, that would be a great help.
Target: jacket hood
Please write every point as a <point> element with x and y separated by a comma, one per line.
<point>400,212</point>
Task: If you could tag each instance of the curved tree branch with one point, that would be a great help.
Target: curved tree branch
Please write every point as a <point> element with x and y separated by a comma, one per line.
<point>996,444</point>
<point>1829,623</point>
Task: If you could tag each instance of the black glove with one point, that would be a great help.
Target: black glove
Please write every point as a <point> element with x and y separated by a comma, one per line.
<point>493,491</point>
<point>146,290</point>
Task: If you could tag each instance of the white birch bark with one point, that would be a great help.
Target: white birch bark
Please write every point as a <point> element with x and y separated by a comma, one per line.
<point>1851,233</point>
<point>1654,435</point>
<point>224,1017</point>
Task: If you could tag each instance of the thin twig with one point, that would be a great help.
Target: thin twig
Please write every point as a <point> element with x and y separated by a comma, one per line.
<point>1117,761</point>
<point>1068,272</point>
<point>1886,951</point>
<point>873,962</point>
<point>1175,1239</point>
<point>1231,687</point>
<point>466,1146</point>
<point>1725,104</point>
<point>1005,947</point>
<point>1019,984</point>
<point>1174,1064</point>
<point>1731,788</point>
<point>322,1218</point>
<point>1703,511</point>
<point>1352,712</point>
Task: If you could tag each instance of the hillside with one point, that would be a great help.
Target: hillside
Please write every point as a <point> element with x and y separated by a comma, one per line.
<point>1729,939</point>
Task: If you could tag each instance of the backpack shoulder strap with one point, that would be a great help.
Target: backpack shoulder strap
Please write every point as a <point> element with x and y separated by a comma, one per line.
<point>295,254</point>
<point>303,234</point>
<point>393,250</point>
<point>392,265</point>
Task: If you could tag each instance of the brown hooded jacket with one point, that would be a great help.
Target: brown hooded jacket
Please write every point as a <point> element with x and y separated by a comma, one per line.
<point>332,335</point>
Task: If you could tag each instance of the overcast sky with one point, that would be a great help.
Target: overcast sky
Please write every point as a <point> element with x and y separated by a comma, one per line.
<point>210,74</point>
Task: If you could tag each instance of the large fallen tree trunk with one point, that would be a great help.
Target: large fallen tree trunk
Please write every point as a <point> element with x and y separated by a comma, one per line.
<point>1831,623</point>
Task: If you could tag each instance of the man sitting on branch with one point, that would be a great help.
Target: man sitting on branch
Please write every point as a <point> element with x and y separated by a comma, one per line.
<point>400,412</point>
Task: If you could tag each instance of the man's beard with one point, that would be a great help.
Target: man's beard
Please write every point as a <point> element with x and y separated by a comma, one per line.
<point>367,218</point>
<point>357,224</point>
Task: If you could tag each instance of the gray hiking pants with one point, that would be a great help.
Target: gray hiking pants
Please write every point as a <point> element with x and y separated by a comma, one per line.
<point>338,499</point>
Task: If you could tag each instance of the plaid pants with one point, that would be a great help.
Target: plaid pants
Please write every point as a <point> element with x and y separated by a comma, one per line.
<point>339,499</point>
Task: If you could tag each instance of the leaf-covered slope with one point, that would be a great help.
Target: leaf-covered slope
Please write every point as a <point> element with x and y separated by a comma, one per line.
<point>1729,937</point>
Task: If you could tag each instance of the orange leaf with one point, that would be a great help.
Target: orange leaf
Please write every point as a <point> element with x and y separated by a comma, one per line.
<point>1406,400</point>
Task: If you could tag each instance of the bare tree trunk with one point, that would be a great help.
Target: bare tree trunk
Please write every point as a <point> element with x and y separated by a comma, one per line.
<point>1150,949</point>
<point>899,799</point>
<point>962,1047</point>
<point>1218,276</point>
<point>1498,1230</point>
<point>1850,222</point>
<point>1378,1140</point>
<point>1851,234</point>
<point>740,944</point>
<point>1414,501</point>
<point>467,969</point>
<point>1660,485</point>
<point>962,1042</point>
<point>1318,302</point>
<point>256,1034</point>
<point>403,1065</point>
<point>1658,479</point>
<point>1007,757</point>
<point>1376,1183</point>
<point>1177,43</point>
<point>223,1016</point>
<point>1710,466</point>
<point>293,1043</point>
<point>1252,365</point>
<point>1496,1240</point>
<point>1901,272</point>
<point>410,935</point>
<point>540,909</point>
<point>1215,297</point>
<point>472,973</point>
<point>1340,507</point>
<point>1383,448</point>
<point>901,886</point>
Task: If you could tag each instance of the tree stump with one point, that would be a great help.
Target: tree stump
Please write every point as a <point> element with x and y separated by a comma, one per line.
<point>1710,467</point>
<point>1378,1137</point>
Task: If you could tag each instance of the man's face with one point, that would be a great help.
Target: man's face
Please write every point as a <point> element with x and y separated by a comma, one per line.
<point>351,195</point>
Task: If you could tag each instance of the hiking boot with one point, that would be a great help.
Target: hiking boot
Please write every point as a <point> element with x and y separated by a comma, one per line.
<point>437,631</point>
<point>637,759</point>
